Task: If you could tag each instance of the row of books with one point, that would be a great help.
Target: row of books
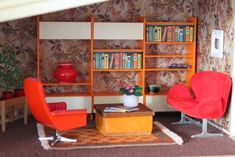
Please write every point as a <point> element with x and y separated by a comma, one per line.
<point>169,33</point>
<point>125,60</point>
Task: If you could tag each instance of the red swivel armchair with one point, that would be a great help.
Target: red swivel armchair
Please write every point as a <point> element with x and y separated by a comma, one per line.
<point>207,98</point>
<point>53,115</point>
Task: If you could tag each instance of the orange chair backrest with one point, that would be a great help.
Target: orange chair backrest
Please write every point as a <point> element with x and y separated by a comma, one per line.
<point>211,84</point>
<point>36,100</point>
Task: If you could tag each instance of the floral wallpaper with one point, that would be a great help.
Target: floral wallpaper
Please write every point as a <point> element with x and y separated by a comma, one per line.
<point>20,37</point>
<point>214,14</point>
<point>21,34</point>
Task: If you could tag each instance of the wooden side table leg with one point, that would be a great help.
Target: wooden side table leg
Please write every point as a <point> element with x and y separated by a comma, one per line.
<point>3,117</point>
<point>25,113</point>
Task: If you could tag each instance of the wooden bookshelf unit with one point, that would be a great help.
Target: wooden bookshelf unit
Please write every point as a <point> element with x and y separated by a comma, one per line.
<point>170,34</point>
<point>160,46</point>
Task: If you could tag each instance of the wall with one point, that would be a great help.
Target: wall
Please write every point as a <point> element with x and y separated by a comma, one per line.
<point>214,14</point>
<point>20,36</point>
<point>115,10</point>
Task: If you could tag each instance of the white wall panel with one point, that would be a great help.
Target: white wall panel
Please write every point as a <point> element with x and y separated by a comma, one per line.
<point>65,30</point>
<point>73,102</point>
<point>158,104</point>
<point>118,31</point>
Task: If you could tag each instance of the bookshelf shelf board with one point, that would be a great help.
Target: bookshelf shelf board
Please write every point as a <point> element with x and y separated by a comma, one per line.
<point>66,84</point>
<point>171,23</point>
<point>107,94</point>
<point>170,43</point>
<point>117,70</point>
<point>118,50</point>
<point>169,56</point>
<point>167,69</point>
<point>67,94</point>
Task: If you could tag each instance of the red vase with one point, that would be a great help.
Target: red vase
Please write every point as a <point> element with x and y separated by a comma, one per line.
<point>65,72</point>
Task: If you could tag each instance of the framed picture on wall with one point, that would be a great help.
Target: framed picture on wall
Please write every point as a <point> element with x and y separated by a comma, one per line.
<point>217,43</point>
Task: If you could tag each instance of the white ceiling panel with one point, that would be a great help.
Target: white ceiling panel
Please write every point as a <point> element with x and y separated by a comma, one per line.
<point>16,9</point>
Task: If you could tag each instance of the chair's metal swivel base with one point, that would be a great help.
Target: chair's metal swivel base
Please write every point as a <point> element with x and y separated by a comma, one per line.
<point>57,138</point>
<point>187,120</point>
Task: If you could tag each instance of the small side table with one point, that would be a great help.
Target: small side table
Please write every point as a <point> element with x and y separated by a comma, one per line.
<point>126,123</point>
<point>12,104</point>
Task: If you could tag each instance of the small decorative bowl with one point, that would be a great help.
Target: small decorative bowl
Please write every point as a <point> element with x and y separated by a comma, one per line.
<point>154,88</point>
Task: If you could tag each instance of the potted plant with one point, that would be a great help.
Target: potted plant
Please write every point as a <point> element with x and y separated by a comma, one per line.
<point>131,95</point>
<point>11,76</point>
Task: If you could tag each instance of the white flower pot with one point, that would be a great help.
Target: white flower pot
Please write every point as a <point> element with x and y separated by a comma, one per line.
<point>130,101</point>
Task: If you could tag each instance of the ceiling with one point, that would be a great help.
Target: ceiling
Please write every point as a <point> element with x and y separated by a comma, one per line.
<point>16,9</point>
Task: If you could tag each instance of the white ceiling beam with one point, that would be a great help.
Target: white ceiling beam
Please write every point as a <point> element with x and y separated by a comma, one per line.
<point>16,9</point>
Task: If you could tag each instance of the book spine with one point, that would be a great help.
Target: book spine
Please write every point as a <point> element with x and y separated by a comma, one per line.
<point>128,61</point>
<point>159,33</point>
<point>135,60</point>
<point>172,33</point>
<point>187,33</point>
<point>156,32</point>
<point>184,33</point>
<point>102,61</point>
<point>139,61</point>
<point>123,60</point>
<point>117,60</point>
<point>97,57</point>
<point>106,61</point>
<point>176,33</point>
<point>111,61</point>
<point>181,34</point>
<point>191,34</point>
<point>169,33</point>
<point>120,59</point>
<point>164,33</point>
<point>132,60</point>
<point>149,33</point>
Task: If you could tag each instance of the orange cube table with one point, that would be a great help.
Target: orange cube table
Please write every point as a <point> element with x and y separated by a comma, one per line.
<point>125,123</point>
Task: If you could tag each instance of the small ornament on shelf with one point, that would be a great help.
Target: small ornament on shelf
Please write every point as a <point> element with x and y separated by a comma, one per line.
<point>179,66</point>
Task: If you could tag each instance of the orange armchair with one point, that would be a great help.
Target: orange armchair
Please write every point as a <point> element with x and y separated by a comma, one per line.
<point>53,115</point>
<point>207,98</point>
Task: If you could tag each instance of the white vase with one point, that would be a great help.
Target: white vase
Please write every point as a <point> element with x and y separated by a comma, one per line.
<point>130,100</point>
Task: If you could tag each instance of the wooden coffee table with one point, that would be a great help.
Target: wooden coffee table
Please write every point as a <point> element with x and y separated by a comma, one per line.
<point>126,123</point>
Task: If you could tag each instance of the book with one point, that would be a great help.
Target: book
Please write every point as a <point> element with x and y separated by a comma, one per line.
<point>191,34</point>
<point>129,61</point>
<point>120,109</point>
<point>169,33</point>
<point>181,34</point>
<point>116,61</point>
<point>135,62</point>
<point>111,61</point>
<point>139,61</point>
<point>164,33</point>
<point>159,33</point>
<point>187,33</point>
